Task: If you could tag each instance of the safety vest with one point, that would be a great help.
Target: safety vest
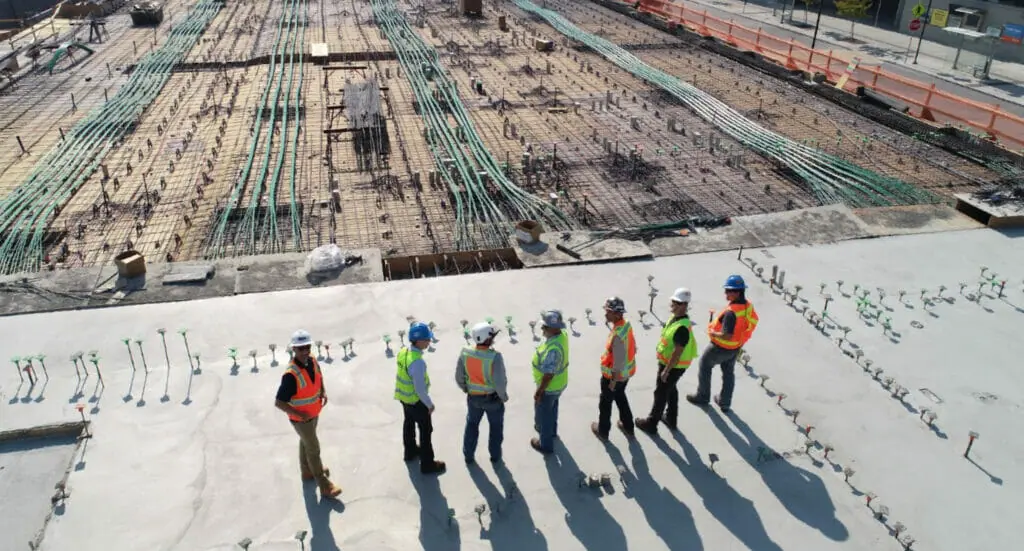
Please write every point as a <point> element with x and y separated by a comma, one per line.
<point>405,390</point>
<point>479,364</point>
<point>624,331</point>
<point>746,322</point>
<point>307,393</point>
<point>667,345</point>
<point>561,378</point>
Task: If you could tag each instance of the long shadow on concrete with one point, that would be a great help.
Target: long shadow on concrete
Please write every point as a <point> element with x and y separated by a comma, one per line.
<point>734,511</point>
<point>668,517</point>
<point>436,532</point>
<point>319,511</point>
<point>511,525</point>
<point>585,515</point>
<point>800,491</point>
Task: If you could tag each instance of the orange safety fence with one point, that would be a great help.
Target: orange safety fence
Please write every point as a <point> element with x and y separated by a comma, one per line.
<point>924,100</point>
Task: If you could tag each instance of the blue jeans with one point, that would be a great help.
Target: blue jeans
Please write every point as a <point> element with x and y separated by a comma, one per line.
<point>478,406</point>
<point>545,420</point>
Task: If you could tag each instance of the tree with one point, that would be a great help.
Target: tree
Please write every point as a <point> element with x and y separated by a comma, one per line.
<point>807,5</point>
<point>854,9</point>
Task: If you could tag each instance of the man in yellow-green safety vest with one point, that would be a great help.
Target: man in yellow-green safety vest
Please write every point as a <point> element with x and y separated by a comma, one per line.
<point>551,374</point>
<point>676,350</point>
<point>412,386</point>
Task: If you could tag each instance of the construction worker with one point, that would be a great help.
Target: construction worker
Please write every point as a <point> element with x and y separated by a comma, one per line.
<point>412,386</point>
<point>480,373</point>
<point>551,375</point>
<point>618,364</point>
<point>729,331</point>
<point>676,350</point>
<point>302,395</point>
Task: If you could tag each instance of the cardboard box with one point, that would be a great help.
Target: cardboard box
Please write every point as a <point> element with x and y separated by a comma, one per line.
<point>130,264</point>
<point>543,45</point>
<point>528,231</point>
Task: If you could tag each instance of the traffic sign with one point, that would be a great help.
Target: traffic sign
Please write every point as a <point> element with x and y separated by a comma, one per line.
<point>915,24</point>
<point>918,10</point>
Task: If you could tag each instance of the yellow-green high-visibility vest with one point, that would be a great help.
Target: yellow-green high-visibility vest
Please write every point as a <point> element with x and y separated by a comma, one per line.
<point>405,391</point>
<point>667,345</point>
<point>561,377</point>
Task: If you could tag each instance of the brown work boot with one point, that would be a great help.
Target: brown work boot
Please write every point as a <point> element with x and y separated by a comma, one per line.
<point>646,425</point>
<point>309,476</point>
<point>437,467</point>
<point>597,433</point>
<point>328,489</point>
<point>628,432</point>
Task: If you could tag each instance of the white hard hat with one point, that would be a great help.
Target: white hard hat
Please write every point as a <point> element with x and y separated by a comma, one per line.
<point>301,338</point>
<point>682,294</point>
<point>483,331</point>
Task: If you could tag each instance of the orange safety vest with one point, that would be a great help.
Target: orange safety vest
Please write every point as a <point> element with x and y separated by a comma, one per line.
<point>307,393</point>
<point>746,322</point>
<point>623,330</point>
<point>479,363</point>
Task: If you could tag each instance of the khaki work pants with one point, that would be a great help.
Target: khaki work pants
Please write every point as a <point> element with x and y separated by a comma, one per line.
<point>309,450</point>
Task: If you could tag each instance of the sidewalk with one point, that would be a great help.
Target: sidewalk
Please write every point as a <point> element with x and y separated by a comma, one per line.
<point>885,48</point>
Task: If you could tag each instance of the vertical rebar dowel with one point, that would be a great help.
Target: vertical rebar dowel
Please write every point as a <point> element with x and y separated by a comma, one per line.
<point>95,360</point>
<point>188,353</point>
<point>131,358</point>
<point>61,133</point>
<point>142,355</point>
<point>167,358</point>
<point>74,107</point>
<point>42,364</point>
<point>17,365</point>
<point>31,371</point>
<point>739,255</point>
<point>972,437</point>
<point>21,145</point>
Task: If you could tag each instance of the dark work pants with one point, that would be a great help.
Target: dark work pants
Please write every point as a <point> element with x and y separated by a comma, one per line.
<point>712,356</point>
<point>417,416</point>
<point>477,407</point>
<point>604,407</point>
<point>666,397</point>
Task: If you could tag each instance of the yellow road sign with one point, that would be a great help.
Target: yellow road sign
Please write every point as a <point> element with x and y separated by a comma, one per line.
<point>918,10</point>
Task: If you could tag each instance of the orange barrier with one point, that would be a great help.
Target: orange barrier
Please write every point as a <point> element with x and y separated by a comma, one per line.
<point>925,100</point>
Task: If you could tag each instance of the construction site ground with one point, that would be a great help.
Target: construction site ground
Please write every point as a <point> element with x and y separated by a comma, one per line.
<point>201,460</point>
<point>173,188</point>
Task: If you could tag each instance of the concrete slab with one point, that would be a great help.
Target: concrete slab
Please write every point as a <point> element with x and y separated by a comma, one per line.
<point>993,216</point>
<point>818,225</point>
<point>723,238</point>
<point>223,461</point>
<point>589,246</point>
<point>883,221</point>
<point>29,468</point>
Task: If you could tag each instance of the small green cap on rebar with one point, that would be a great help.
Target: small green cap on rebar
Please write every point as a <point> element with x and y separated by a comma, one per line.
<point>232,352</point>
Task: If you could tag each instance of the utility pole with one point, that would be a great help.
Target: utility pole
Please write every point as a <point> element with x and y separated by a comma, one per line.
<point>817,23</point>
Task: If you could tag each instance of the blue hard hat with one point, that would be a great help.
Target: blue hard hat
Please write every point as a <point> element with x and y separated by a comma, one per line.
<point>735,282</point>
<point>420,331</point>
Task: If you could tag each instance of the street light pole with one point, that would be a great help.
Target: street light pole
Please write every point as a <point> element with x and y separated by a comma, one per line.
<point>816,24</point>
<point>924,24</point>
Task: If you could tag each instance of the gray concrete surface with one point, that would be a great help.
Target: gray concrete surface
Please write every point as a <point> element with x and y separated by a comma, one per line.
<point>28,470</point>
<point>223,465</point>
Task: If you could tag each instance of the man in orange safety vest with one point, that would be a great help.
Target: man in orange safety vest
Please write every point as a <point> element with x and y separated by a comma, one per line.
<point>729,330</point>
<point>618,364</point>
<point>302,395</point>
<point>480,373</point>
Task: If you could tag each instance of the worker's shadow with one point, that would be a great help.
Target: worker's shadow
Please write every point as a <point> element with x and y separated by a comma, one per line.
<point>510,525</point>
<point>319,510</point>
<point>800,491</point>
<point>668,517</point>
<point>734,511</point>
<point>585,515</point>
<point>437,532</point>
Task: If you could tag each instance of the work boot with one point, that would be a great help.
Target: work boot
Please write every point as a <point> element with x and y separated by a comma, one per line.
<point>597,433</point>
<point>309,476</point>
<point>437,467</point>
<point>671,426</point>
<point>535,443</point>
<point>328,489</point>
<point>693,399</point>
<point>622,427</point>
<point>718,402</point>
<point>646,425</point>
